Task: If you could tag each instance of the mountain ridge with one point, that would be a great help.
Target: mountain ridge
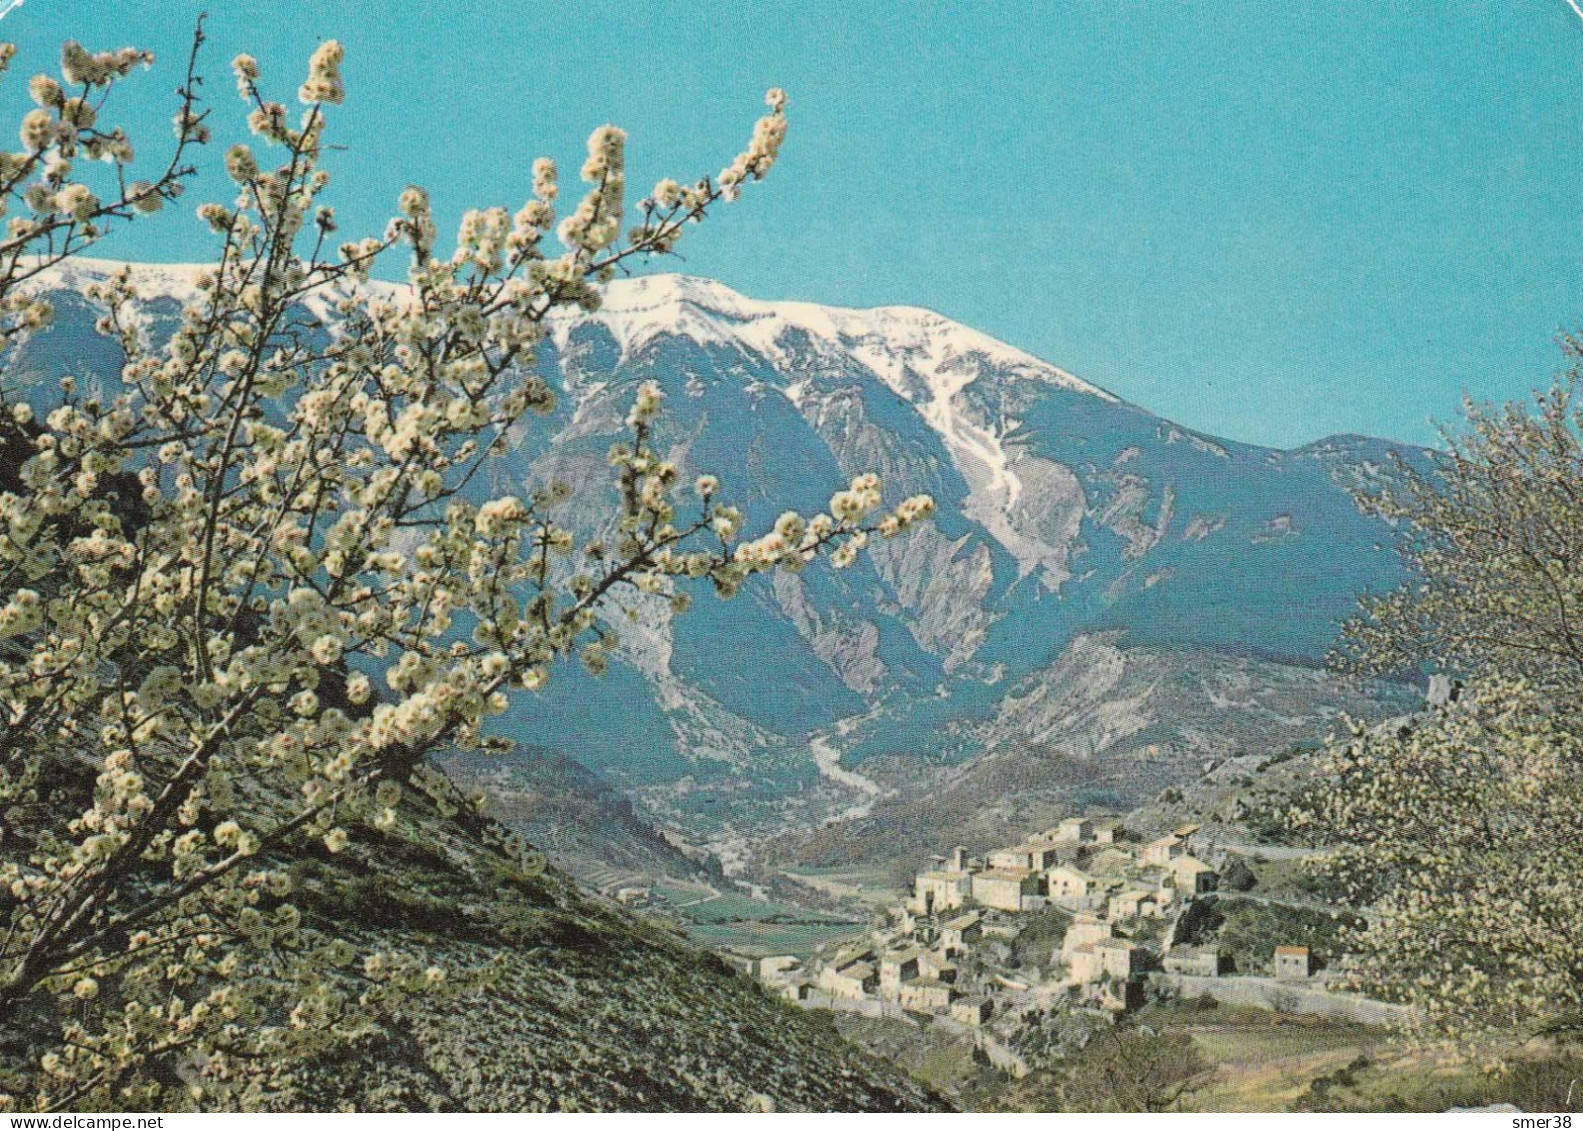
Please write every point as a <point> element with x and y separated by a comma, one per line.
<point>176,279</point>
<point>1063,511</point>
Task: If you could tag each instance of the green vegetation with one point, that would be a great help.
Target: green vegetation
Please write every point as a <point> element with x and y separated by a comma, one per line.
<point>1126,1068</point>
<point>734,920</point>
<point>1039,935</point>
<point>1238,875</point>
<point>1248,931</point>
<point>945,1060</point>
<point>1545,1083</point>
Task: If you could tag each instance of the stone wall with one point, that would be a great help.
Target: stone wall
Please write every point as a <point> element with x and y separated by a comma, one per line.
<point>1286,997</point>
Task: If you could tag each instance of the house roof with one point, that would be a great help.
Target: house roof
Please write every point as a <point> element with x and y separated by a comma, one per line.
<point>1191,864</point>
<point>1112,944</point>
<point>945,875</point>
<point>858,970</point>
<point>1109,859</point>
<point>1026,848</point>
<point>963,922</point>
<point>1293,951</point>
<point>1015,875</point>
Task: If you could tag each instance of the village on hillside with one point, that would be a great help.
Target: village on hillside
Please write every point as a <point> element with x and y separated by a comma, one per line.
<point>1084,917</point>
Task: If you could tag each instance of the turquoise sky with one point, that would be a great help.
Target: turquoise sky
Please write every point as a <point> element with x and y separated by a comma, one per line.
<point>1271,221</point>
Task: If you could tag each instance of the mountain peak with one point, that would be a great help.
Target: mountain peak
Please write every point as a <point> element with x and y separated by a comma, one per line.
<point>887,339</point>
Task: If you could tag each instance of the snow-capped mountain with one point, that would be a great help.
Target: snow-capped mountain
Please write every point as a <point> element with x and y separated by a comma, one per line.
<point>1064,512</point>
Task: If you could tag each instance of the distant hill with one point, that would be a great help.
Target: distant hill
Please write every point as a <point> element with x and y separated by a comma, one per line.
<point>1105,728</point>
<point>583,822</point>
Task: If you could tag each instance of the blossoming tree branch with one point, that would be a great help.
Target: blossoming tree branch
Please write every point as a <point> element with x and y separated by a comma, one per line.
<point>244,596</point>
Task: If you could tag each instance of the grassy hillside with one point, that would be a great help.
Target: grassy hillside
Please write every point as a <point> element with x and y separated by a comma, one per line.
<point>595,1009</point>
<point>588,1006</point>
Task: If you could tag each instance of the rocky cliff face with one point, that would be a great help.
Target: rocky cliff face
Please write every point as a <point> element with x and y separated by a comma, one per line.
<point>1106,726</point>
<point>1064,512</point>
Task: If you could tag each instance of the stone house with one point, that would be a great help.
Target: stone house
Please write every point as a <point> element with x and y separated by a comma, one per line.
<point>741,963</point>
<point>926,996</point>
<point>936,965</point>
<point>1001,927</point>
<point>1128,904</point>
<point>1117,957</point>
<point>941,890</point>
<point>1084,964</point>
<point>956,934</point>
<point>1075,829</point>
<point>1159,853</point>
<point>1082,930</point>
<point>1193,876</point>
<point>1008,889</point>
<point>896,968</point>
<point>1105,830</point>
<point>855,981</point>
<point>1074,889</point>
<point>972,1010</point>
<point>778,966</point>
<point>1141,903</point>
<point>1034,856</point>
<point>1161,903</point>
<point>1200,962</point>
<point>1093,961</point>
<point>1292,963</point>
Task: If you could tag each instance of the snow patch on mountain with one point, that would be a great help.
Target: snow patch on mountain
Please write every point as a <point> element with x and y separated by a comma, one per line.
<point>639,310</point>
<point>152,280</point>
<point>924,358</point>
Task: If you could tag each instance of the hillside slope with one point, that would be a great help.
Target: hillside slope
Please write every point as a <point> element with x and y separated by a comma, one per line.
<point>1105,727</point>
<point>562,1001</point>
<point>580,820</point>
<point>594,1009</point>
